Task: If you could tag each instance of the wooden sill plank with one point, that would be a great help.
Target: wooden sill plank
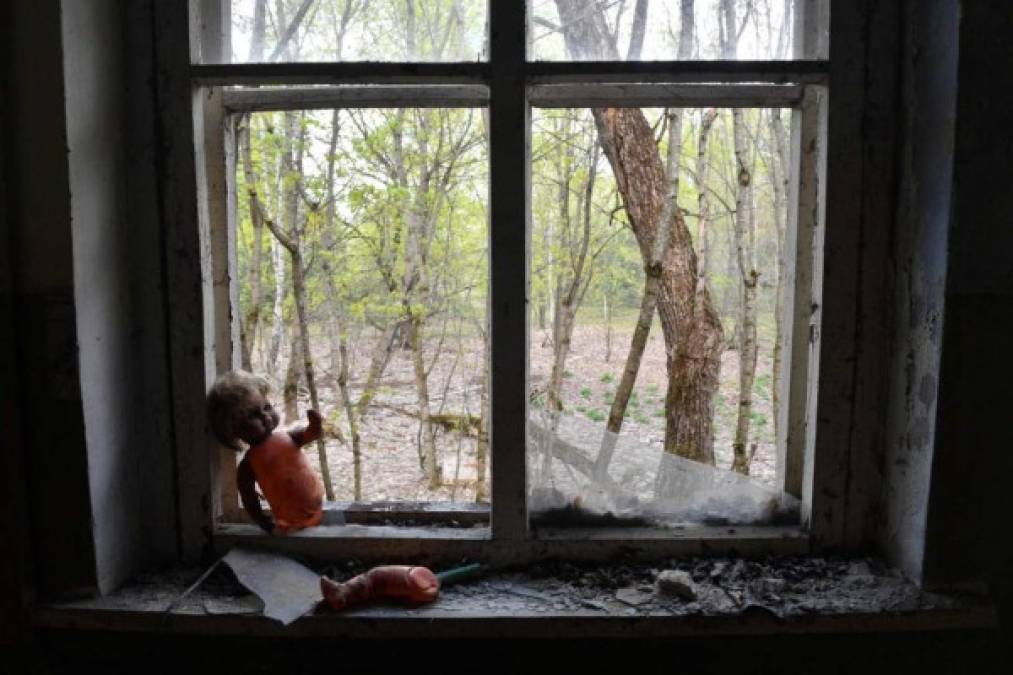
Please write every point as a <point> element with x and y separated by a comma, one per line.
<point>441,545</point>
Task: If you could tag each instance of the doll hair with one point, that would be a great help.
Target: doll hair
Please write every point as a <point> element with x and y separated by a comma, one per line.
<point>225,400</point>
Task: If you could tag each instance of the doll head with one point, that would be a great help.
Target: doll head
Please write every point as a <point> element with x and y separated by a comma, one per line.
<point>239,409</point>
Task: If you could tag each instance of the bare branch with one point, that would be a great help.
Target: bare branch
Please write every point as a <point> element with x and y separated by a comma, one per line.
<point>290,31</point>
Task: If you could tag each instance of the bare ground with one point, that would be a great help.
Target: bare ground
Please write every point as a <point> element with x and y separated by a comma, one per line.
<point>391,468</point>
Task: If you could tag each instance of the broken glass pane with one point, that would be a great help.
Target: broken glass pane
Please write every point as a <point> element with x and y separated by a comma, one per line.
<point>666,413</point>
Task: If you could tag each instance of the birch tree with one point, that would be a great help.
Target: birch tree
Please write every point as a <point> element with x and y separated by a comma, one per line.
<point>731,28</point>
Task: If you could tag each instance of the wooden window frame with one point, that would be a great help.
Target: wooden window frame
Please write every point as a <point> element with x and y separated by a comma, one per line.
<point>205,266</point>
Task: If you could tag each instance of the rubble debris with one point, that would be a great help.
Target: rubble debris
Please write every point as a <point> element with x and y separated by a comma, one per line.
<point>859,568</point>
<point>522,591</point>
<point>677,583</point>
<point>633,596</point>
<point>781,586</point>
<point>249,604</point>
<point>767,587</point>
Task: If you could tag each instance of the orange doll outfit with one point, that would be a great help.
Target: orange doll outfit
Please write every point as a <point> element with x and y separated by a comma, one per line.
<point>291,487</point>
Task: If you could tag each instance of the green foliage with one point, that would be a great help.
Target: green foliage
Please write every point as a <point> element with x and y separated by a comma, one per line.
<point>721,405</point>
<point>395,168</point>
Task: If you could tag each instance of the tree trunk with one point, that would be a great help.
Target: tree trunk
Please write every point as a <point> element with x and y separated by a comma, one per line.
<point>299,289</point>
<point>648,301</point>
<point>414,303</point>
<point>280,287</point>
<point>331,304</point>
<point>563,311</point>
<point>691,328</point>
<point>289,237</point>
<point>607,318</point>
<point>353,423</point>
<point>550,266</point>
<point>290,390</point>
<point>482,445</point>
<point>690,325</point>
<point>779,175</point>
<point>703,197</point>
<point>422,389</point>
<point>299,286</point>
<point>571,291</point>
<point>377,365</point>
<point>251,318</point>
<point>258,32</point>
<point>745,249</point>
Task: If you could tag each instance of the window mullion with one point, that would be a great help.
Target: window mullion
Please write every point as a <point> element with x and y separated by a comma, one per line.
<point>508,312</point>
<point>800,301</point>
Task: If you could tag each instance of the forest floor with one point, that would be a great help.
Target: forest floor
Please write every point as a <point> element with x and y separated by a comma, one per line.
<point>390,432</point>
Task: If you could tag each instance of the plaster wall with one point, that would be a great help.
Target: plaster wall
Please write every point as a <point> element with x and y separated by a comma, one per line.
<point>918,275</point>
<point>46,364</point>
<point>93,83</point>
<point>117,287</point>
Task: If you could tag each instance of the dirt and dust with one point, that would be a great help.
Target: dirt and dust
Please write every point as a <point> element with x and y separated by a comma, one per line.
<point>390,432</point>
<point>781,586</point>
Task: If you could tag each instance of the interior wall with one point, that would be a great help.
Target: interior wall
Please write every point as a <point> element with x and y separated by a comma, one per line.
<point>93,85</point>
<point>969,538</point>
<point>84,378</point>
<point>13,511</point>
<point>117,288</point>
<point>918,274</point>
<point>52,448</point>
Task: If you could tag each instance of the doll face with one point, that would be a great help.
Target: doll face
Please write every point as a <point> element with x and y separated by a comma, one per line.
<point>256,419</point>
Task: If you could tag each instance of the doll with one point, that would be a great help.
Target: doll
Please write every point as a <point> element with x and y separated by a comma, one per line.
<point>238,410</point>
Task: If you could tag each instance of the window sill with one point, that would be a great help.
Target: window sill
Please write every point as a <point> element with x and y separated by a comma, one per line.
<point>495,616</point>
<point>431,545</point>
<point>729,596</point>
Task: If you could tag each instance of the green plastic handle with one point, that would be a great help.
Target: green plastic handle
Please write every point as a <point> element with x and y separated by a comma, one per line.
<point>456,574</point>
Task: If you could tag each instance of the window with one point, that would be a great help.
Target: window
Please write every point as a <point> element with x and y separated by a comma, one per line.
<point>333,109</point>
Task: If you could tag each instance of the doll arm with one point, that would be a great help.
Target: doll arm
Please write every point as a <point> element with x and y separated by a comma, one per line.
<point>247,492</point>
<point>309,433</point>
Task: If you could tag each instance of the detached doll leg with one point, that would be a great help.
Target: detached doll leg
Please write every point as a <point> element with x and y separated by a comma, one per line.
<point>396,582</point>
